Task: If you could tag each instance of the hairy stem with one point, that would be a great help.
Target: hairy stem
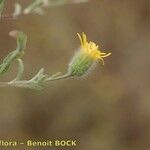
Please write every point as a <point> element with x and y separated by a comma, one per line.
<point>31,83</point>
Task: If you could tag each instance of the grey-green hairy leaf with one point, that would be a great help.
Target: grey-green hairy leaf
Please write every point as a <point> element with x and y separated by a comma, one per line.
<point>21,44</point>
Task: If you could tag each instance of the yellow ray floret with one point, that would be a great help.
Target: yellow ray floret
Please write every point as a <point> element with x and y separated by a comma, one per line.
<point>91,49</point>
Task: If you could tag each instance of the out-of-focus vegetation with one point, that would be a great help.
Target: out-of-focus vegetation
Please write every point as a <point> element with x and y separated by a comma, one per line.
<point>108,110</point>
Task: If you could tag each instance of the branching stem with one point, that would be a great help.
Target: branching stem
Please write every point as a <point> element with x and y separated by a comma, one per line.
<point>32,84</point>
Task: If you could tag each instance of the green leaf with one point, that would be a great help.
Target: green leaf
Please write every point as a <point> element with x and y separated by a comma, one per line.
<point>20,70</point>
<point>21,42</point>
<point>38,80</point>
<point>14,55</point>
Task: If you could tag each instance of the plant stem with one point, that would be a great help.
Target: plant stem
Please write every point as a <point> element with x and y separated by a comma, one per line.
<point>31,84</point>
<point>67,75</point>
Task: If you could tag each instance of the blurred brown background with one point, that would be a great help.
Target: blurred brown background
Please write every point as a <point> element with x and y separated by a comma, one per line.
<point>110,109</point>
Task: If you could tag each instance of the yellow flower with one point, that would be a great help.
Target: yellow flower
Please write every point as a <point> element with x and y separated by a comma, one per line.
<point>91,49</point>
<point>85,58</point>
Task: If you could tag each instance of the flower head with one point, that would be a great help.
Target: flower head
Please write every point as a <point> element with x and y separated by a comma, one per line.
<point>91,49</point>
<point>86,57</point>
